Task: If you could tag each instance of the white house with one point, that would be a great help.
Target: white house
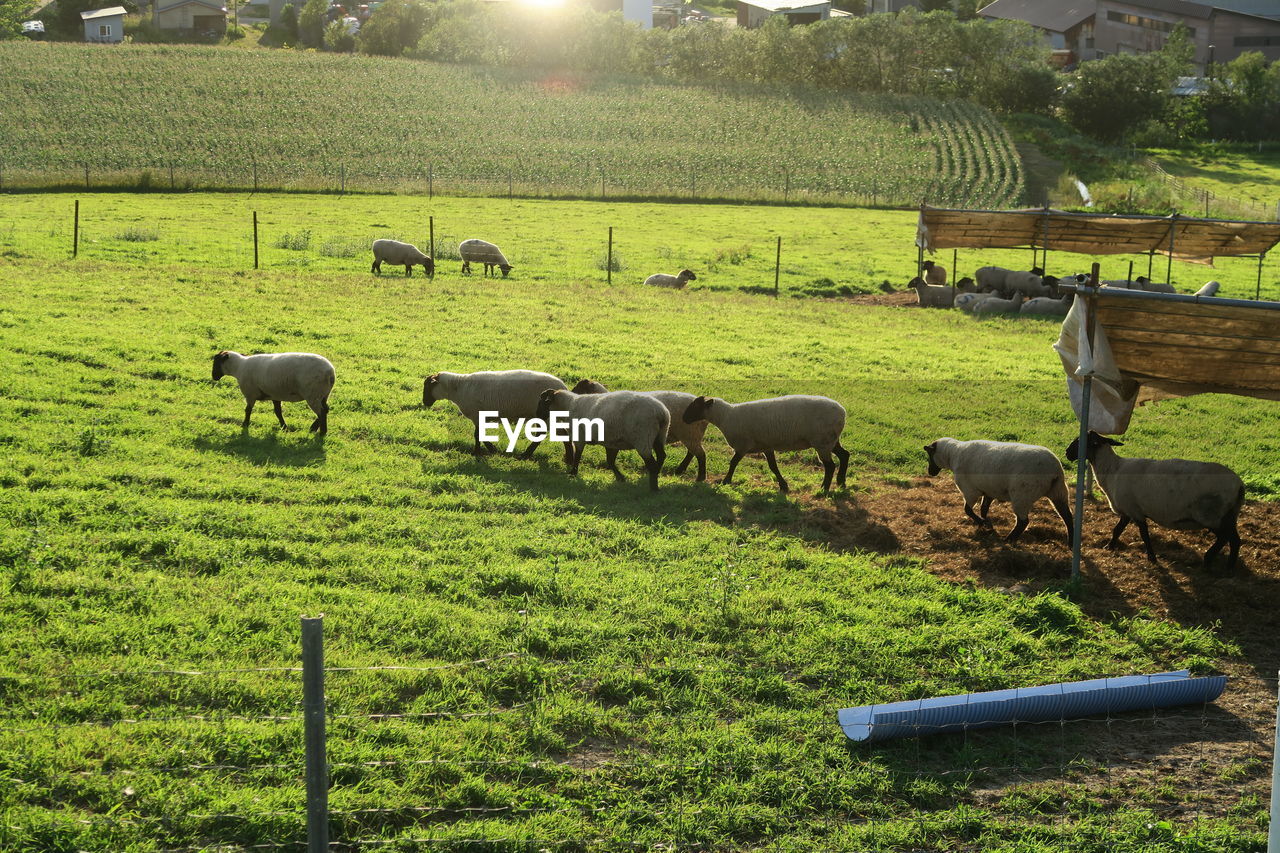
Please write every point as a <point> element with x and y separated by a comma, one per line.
<point>104,25</point>
<point>753,13</point>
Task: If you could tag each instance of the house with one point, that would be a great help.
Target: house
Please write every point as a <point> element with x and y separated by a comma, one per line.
<point>194,17</point>
<point>104,25</point>
<point>890,5</point>
<point>753,13</point>
<point>1067,26</point>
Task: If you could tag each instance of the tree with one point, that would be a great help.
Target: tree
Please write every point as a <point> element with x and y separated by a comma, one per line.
<point>1109,96</point>
<point>396,26</point>
<point>338,39</point>
<point>12,14</point>
<point>311,21</point>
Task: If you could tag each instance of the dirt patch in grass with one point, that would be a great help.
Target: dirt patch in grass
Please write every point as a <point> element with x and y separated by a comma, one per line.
<point>905,298</point>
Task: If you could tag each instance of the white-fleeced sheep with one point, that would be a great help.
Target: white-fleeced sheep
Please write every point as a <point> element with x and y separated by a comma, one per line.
<point>1177,493</point>
<point>284,377</point>
<point>1140,283</point>
<point>997,279</point>
<point>935,274</point>
<point>1047,306</point>
<point>690,435</point>
<point>996,305</point>
<point>1029,284</point>
<point>631,421</point>
<point>396,253</point>
<point>1020,474</point>
<point>677,281</point>
<point>482,252</point>
<point>930,296</point>
<point>513,394</point>
<point>966,302</point>
<point>1209,288</point>
<point>793,422</point>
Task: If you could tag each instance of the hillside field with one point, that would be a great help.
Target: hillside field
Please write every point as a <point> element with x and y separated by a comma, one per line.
<point>597,667</point>
<point>317,120</point>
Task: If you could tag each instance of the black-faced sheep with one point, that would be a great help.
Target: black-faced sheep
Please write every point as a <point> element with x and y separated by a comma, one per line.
<point>482,252</point>
<point>935,274</point>
<point>677,281</point>
<point>397,253</point>
<point>280,377</point>
<point>688,434</point>
<point>631,421</point>
<point>513,394</point>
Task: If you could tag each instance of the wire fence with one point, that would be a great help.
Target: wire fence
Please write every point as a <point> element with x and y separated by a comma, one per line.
<point>1197,199</point>
<point>493,774</point>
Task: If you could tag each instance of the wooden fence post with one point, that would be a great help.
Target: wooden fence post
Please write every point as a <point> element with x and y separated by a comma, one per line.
<point>314,735</point>
<point>75,232</point>
<point>431,243</point>
<point>608,264</point>
<point>777,268</point>
<point>255,239</point>
<point>431,180</point>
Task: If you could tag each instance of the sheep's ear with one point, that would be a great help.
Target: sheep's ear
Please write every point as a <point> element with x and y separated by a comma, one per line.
<point>547,396</point>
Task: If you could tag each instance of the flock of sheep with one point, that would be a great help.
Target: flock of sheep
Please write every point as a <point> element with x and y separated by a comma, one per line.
<point>1171,492</point>
<point>995,290</point>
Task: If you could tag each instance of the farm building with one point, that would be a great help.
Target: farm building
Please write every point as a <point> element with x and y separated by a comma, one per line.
<point>753,13</point>
<point>199,17</point>
<point>104,25</point>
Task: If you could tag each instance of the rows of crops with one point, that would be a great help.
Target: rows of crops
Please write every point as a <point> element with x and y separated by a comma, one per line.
<point>204,116</point>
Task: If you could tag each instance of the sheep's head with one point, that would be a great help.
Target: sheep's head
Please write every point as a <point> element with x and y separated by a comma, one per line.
<point>697,410</point>
<point>934,468</point>
<point>687,275</point>
<point>429,389</point>
<point>917,283</point>
<point>506,268</point>
<point>1091,448</point>
<point>966,285</point>
<point>545,399</point>
<point>219,360</point>
<point>589,386</point>
<point>1037,271</point>
<point>429,265</point>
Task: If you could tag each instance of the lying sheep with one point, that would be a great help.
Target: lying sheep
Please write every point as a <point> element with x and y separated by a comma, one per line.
<point>482,252</point>
<point>966,302</point>
<point>1048,306</point>
<point>1140,283</point>
<point>690,435</point>
<point>1209,288</point>
<point>1029,284</point>
<point>632,421</point>
<point>929,296</point>
<point>966,285</point>
<point>996,279</point>
<point>1020,474</point>
<point>793,422</point>
<point>996,305</point>
<point>513,394</point>
<point>395,252</point>
<point>1176,493</point>
<point>280,377</point>
<point>935,274</point>
<point>679,280</point>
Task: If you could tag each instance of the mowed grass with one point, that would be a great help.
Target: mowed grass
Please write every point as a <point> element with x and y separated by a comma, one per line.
<point>679,656</point>
<point>1241,174</point>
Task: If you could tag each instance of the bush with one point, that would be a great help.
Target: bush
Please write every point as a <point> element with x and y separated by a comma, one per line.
<point>1109,97</point>
<point>337,39</point>
<point>296,242</point>
<point>395,27</point>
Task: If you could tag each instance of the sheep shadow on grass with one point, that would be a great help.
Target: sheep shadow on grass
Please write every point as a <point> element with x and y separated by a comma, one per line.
<point>267,449</point>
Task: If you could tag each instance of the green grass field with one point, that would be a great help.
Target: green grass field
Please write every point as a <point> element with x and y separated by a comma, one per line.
<point>1242,174</point>
<point>679,656</point>
<point>314,120</point>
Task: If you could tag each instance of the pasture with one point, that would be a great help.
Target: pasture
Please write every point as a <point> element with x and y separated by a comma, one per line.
<point>677,658</point>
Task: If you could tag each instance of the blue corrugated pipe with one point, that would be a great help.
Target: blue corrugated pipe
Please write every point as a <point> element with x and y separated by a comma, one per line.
<point>1028,705</point>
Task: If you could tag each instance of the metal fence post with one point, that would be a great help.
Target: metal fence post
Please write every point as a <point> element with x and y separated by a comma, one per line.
<point>255,239</point>
<point>313,725</point>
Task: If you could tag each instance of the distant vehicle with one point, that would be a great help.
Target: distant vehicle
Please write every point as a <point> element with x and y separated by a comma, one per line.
<point>352,25</point>
<point>33,29</point>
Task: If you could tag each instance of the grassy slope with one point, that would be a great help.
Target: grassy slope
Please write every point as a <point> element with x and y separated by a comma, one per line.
<point>1244,174</point>
<point>688,649</point>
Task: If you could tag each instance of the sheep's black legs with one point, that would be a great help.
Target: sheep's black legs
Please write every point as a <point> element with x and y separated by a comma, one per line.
<point>377,267</point>
<point>1064,512</point>
<point>1115,533</point>
<point>702,467</point>
<point>843,456</point>
<point>684,463</point>
<point>574,457</point>
<point>408,270</point>
<point>985,510</point>
<point>733,464</point>
<point>248,410</point>
<point>528,451</point>
<point>1227,534</point>
<point>968,510</point>
<point>773,466</point>
<point>280,414</point>
<point>321,424</point>
<point>1146,540</point>
<point>611,462</point>
<point>655,464</point>
<point>1017,530</point>
<point>482,448</point>
<point>828,470</point>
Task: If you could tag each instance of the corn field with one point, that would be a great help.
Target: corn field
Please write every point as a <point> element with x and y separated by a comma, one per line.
<point>195,117</point>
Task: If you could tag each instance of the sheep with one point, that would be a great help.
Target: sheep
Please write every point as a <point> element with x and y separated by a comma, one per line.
<point>997,279</point>
<point>1002,471</point>
<point>1177,493</point>
<point>1140,283</point>
<point>793,422</point>
<point>1047,306</point>
<point>395,252</point>
<point>513,394</point>
<point>280,377</point>
<point>485,253</point>
<point>931,296</point>
<point>690,435</point>
<point>996,305</point>
<point>677,281</point>
<point>631,421</point>
<point>1029,284</point>
<point>966,302</point>
<point>1208,289</point>
<point>935,274</point>
<point>966,285</point>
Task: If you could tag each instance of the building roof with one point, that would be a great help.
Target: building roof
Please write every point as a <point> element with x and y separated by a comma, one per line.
<point>110,12</point>
<point>789,5</point>
<point>180,3</point>
<point>1174,7</point>
<point>1055,17</point>
<point>1258,8</point>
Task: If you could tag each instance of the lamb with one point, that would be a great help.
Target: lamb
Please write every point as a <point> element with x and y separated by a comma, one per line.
<point>690,435</point>
<point>482,253</point>
<point>395,252</point>
<point>512,394</point>
<point>793,422</point>
<point>1047,306</point>
<point>931,296</point>
<point>1003,471</point>
<point>677,281</point>
<point>1177,493</point>
<point>631,421</point>
<point>280,377</point>
<point>996,305</point>
<point>935,274</point>
<point>1209,288</point>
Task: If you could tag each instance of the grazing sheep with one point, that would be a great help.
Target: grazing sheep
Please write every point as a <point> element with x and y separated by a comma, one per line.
<point>1048,306</point>
<point>690,435</point>
<point>793,422</point>
<point>280,377</point>
<point>485,253</point>
<point>632,421</point>
<point>996,305</point>
<point>513,394</point>
<point>1209,288</point>
<point>930,296</point>
<point>677,281</point>
<point>966,302</point>
<point>935,274</point>
<point>1177,493</point>
<point>1002,471</point>
<point>395,252</point>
